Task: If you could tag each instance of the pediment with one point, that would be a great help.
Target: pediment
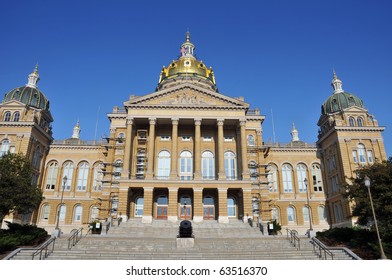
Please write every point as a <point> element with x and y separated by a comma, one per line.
<point>13,103</point>
<point>355,109</point>
<point>186,95</point>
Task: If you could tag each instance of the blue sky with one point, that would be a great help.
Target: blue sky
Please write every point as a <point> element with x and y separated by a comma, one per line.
<point>279,55</point>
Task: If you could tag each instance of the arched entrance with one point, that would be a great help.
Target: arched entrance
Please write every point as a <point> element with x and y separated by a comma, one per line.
<point>208,208</point>
<point>185,207</point>
<point>162,205</point>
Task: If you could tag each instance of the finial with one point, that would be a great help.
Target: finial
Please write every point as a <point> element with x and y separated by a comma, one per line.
<point>188,36</point>
<point>33,78</point>
<point>336,83</point>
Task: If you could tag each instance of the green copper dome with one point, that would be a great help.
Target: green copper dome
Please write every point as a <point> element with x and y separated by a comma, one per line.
<point>29,94</point>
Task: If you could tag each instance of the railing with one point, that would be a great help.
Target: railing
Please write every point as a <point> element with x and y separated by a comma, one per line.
<point>320,249</point>
<point>293,238</point>
<point>74,238</point>
<point>43,251</point>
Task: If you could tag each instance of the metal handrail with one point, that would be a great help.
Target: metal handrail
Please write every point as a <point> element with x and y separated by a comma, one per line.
<point>323,250</point>
<point>74,238</point>
<point>294,239</point>
<point>44,248</point>
<point>346,250</point>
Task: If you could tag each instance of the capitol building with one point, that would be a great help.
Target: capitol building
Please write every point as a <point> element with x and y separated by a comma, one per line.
<point>188,151</point>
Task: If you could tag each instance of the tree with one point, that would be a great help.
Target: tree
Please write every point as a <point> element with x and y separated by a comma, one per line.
<point>380,175</point>
<point>17,194</point>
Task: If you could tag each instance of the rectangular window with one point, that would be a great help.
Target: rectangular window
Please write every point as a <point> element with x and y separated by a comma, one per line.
<point>370,156</point>
<point>355,157</point>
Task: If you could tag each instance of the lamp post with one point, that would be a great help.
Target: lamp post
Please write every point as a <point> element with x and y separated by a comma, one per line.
<point>309,211</point>
<point>367,184</point>
<point>57,231</point>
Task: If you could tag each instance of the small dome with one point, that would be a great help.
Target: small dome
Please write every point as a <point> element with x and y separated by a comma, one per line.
<point>339,101</point>
<point>29,94</point>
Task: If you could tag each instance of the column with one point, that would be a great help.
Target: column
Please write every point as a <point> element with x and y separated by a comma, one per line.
<point>150,152</point>
<point>128,148</point>
<point>123,204</point>
<point>174,158</point>
<point>245,170</point>
<point>172,212</point>
<point>197,156</point>
<point>247,202</point>
<point>222,206</point>
<point>197,205</point>
<point>221,165</point>
<point>147,207</point>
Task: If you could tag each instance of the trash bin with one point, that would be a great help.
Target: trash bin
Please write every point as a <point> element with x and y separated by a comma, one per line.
<point>96,227</point>
<point>185,229</point>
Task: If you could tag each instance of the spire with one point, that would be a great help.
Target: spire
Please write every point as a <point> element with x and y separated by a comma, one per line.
<point>76,131</point>
<point>187,47</point>
<point>33,78</point>
<point>336,84</point>
<point>294,134</point>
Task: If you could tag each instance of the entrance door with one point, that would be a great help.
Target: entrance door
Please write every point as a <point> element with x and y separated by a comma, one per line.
<point>185,208</point>
<point>208,208</point>
<point>139,205</point>
<point>162,205</point>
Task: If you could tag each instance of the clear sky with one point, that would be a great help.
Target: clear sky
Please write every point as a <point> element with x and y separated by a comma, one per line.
<point>278,54</point>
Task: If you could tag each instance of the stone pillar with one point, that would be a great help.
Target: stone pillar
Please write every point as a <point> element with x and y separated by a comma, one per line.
<point>150,152</point>
<point>197,205</point>
<point>244,161</point>
<point>147,207</point>
<point>123,204</point>
<point>172,212</point>
<point>197,174</point>
<point>173,161</point>
<point>247,202</point>
<point>221,165</point>
<point>128,148</point>
<point>222,205</point>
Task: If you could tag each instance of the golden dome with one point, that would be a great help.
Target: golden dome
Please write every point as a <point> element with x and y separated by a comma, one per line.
<point>187,67</point>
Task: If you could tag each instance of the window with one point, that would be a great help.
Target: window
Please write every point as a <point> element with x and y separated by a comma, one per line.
<point>12,149</point>
<point>114,204</point>
<point>370,156</point>
<point>355,157</point>
<point>207,165</point>
<point>94,213</point>
<point>7,116</point>
<point>228,138</point>
<point>82,176</point>
<point>361,153</point>
<point>68,171</point>
<point>207,138</point>
<point>251,140</point>
<point>186,138</point>
<point>117,169</point>
<point>230,165</point>
<point>305,213</point>
<point>78,213</point>
<point>163,165</point>
<point>338,212</point>
<point>321,213</point>
<point>351,121</point>
<point>334,184</point>
<point>290,215</point>
<point>37,158</point>
<point>98,176</point>
<point>120,138</point>
<point>139,203</point>
<point>63,210</point>
<point>253,170</point>
<point>51,175</point>
<point>272,179</point>
<point>231,207</point>
<point>16,116</point>
<point>45,212</point>
<point>360,121</point>
<point>317,178</point>
<point>165,138</point>
<point>287,178</point>
<point>186,168</point>
<point>301,174</point>
<point>275,214</point>
<point>5,144</point>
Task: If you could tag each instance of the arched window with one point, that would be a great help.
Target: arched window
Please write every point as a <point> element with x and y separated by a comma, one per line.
<point>317,178</point>
<point>68,171</point>
<point>117,169</point>
<point>163,165</point>
<point>37,158</point>
<point>51,175</point>
<point>291,215</point>
<point>321,213</point>
<point>5,144</point>
<point>272,179</point>
<point>82,176</point>
<point>301,174</point>
<point>98,176</point>
<point>139,205</point>
<point>208,165</point>
<point>16,116</point>
<point>7,116</point>
<point>305,213</point>
<point>351,121</point>
<point>231,207</point>
<point>360,121</point>
<point>78,213</point>
<point>361,153</point>
<point>230,165</point>
<point>45,211</point>
<point>94,213</point>
<point>63,211</point>
<point>251,140</point>
<point>287,178</point>
<point>186,167</point>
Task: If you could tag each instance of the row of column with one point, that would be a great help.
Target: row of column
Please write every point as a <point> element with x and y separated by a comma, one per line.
<point>173,168</point>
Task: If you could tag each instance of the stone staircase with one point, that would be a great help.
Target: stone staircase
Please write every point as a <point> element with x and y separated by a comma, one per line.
<point>213,241</point>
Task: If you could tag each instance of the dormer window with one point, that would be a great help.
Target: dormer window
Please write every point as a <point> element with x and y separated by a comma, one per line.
<point>351,121</point>
<point>7,116</point>
<point>16,116</point>
<point>360,121</point>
